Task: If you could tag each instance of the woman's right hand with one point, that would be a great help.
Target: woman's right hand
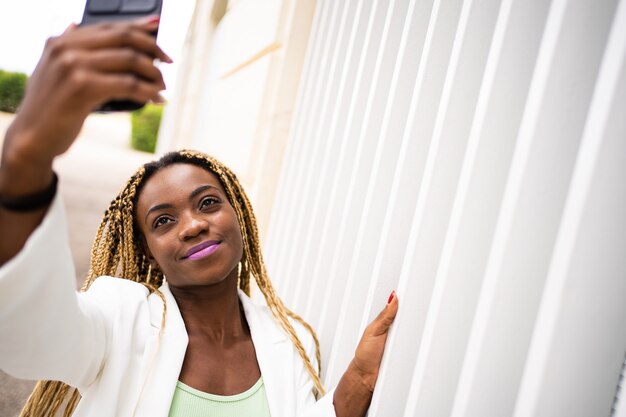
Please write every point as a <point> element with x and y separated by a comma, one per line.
<point>79,71</point>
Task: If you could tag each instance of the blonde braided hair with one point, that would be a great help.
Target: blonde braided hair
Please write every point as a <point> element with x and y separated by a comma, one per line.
<point>117,251</point>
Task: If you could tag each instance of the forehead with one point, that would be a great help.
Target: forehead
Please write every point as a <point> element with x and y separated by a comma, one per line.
<point>174,180</point>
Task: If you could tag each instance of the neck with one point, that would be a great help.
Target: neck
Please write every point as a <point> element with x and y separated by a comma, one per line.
<point>212,312</point>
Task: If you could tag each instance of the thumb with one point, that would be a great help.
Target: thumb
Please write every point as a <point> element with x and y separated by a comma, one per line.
<point>385,318</point>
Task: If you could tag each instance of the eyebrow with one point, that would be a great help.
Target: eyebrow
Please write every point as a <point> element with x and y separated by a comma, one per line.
<point>193,195</point>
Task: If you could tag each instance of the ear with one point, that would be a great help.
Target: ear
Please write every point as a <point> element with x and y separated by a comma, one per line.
<point>149,256</point>
<point>153,263</point>
<point>143,245</point>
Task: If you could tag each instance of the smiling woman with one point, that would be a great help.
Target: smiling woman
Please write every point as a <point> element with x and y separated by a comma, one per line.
<point>165,310</point>
<point>187,218</point>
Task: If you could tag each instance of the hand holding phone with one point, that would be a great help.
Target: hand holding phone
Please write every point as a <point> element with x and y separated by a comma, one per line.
<point>77,72</point>
<point>97,11</point>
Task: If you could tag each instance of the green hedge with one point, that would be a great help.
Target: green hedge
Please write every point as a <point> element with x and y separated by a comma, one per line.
<point>145,127</point>
<point>12,87</point>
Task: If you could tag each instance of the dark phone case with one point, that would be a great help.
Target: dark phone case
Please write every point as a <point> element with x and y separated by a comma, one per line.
<point>97,11</point>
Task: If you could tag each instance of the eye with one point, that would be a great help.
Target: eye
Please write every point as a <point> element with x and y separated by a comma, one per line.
<point>207,202</point>
<point>161,221</point>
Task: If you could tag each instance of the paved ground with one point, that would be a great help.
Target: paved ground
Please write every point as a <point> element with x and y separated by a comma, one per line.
<point>91,174</point>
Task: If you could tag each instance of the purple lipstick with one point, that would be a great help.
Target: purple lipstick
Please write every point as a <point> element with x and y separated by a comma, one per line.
<point>202,250</point>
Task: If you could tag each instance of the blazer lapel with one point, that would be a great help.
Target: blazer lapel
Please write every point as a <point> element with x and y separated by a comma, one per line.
<point>163,357</point>
<point>274,355</point>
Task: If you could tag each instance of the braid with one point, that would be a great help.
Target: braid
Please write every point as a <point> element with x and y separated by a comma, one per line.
<point>117,251</point>
<point>253,264</point>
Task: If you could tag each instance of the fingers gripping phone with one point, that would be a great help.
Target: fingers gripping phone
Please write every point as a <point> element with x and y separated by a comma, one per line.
<point>97,11</point>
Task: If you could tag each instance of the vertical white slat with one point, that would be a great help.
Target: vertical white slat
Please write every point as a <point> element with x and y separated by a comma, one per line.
<point>517,41</point>
<point>295,176</point>
<point>393,382</point>
<point>378,101</point>
<point>273,242</point>
<point>447,30</point>
<point>328,168</point>
<point>296,148</point>
<point>535,193</point>
<point>358,88</point>
<point>369,30</point>
<point>446,322</point>
<point>484,312</point>
<point>397,237</point>
<point>380,175</point>
<point>579,336</point>
<point>318,168</point>
<point>460,268</point>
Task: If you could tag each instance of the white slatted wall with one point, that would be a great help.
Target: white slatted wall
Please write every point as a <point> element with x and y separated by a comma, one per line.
<point>472,155</point>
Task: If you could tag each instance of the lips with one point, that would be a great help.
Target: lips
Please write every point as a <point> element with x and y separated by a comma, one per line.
<point>202,250</point>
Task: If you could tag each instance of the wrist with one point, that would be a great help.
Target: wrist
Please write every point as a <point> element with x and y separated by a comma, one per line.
<point>353,394</point>
<point>23,169</point>
<point>365,380</point>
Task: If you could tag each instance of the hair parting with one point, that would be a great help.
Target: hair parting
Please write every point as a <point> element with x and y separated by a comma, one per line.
<point>117,251</point>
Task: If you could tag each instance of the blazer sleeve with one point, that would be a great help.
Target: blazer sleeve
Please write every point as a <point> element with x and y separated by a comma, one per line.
<point>47,329</point>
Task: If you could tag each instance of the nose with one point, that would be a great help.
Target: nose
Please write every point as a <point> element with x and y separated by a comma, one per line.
<point>192,226</point>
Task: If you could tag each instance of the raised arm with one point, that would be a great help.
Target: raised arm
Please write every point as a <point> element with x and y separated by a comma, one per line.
<point>78,71</point>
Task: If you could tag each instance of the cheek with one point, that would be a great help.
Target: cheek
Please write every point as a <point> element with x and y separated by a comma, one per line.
<point>236,231</point>
<point>155,250</point>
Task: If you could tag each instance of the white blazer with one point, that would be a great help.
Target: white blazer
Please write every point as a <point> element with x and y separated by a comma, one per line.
<point>108,341</point>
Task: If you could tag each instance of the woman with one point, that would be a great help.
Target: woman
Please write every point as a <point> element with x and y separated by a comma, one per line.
<point>143,344</point>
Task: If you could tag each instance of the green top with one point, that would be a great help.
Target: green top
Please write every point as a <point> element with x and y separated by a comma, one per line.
<point>189,402</point>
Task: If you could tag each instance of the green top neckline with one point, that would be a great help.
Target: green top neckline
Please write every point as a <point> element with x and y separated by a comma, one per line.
<point>222,398</point>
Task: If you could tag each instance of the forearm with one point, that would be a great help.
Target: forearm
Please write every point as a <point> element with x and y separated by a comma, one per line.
<point>353,393</point>
<point>48,331</point>
<point>22,173</point>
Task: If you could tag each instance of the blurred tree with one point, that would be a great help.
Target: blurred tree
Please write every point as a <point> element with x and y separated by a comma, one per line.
<point>12,87</point>
<point>145,127</point>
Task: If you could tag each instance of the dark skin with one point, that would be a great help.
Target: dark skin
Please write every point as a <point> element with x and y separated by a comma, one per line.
<point>180,207</point>
<point>79,71</point>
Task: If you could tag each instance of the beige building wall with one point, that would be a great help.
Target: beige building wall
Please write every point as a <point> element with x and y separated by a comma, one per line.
<point>237,88</point>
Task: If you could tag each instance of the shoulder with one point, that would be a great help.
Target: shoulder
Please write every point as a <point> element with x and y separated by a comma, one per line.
<point>115,296</point>
<point>106,286</point>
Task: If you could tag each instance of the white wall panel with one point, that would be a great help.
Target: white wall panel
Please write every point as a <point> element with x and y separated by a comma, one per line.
<point>355,241</point>
<point>323,157</point>
<point>470,154</point>
<point>335,151</point>
<point>294,148</point>
<point>452,298</point>
<point>513,56</point>
<point>579,335</point>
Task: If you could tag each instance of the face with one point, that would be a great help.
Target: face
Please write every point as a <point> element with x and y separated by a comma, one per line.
<point>191,231</point>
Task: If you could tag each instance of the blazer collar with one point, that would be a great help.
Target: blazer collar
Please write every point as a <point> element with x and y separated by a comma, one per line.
<point>164,355</point>
<point>274,355</point>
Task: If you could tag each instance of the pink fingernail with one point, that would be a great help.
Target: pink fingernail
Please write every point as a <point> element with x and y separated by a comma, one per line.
<point>391,297</point>
<point>151,19</point>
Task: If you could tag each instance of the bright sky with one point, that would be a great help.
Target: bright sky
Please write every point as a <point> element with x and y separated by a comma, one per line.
<point>26,24</point>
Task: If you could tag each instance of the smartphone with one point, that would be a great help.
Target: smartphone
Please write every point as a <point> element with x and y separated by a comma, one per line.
<point>97,11</point>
